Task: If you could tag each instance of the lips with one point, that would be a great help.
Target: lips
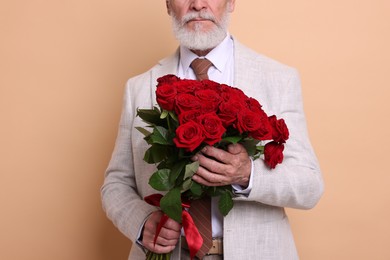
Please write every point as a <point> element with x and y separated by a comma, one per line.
<point>199,20</point>
<point>198,17</point>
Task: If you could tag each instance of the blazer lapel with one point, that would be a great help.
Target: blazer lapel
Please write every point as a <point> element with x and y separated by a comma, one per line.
<point>245,77</point>
<point>250,74</point>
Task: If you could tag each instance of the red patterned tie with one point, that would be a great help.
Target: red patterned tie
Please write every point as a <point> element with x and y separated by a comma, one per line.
<point>201,214</point>
<point>201,209</point>
<point>200,67</point>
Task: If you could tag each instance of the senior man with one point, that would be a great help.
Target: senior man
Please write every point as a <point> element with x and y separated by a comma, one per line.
<point>257,227</point>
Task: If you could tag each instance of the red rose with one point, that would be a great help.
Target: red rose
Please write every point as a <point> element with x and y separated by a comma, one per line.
<point>208,95</point>
<point>228,112</point>
<point>253,105</point>
<point>209,99</point>
<point>191,115</point>
<point>264,132</point>
<point>208,107</point>
<point>167,79</point>
<point>187,85</point>
<point>248,121</point>
<point>223,88</point>
<point>213,128</point>
<point>273,154</point>
<point>186,102</point>
<point>233,93</point>
<point>165,95</point>
<point>280,131</point>
<point>189,136</point>
<point>212,85</point>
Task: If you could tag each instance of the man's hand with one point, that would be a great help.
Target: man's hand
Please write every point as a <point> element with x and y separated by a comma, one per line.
<point>167,238</point>
<point>219,168</point>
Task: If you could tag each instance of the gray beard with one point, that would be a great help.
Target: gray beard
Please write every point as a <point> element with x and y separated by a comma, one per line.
<point>197,39</point>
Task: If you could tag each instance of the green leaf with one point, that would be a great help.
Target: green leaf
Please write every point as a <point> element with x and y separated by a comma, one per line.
<point>173,116</point>
<point>160,135</point>
<point>143,131</point>
<point>232,139</point>
<point>160,180</point>
<point>176,170</point>
<point>191,169</point>
<point>164,114</point>
<point>259,152</point>
<point>156,153</point>
<point>196,189</point>
<point>256,156</point>
<point>150,115</point>
<point>225,203</point>
<point>187,185</point>
<point>171,204</point>
<point>250,146</point>
<point>260,149</point>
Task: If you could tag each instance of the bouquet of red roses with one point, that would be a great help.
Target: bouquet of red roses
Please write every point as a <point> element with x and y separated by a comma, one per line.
<point>192,114</point>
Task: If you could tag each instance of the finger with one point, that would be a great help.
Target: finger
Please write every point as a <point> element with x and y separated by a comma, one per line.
<point>205,177</point>
<point>219,154</point>
<point>162,245</point>
<point>169,234</point>
<point>202,181</point>
<point>210,164</point>
<point>173,225</point>
<point>167,237</point>
<point>235,148</point>
<point>157,248</point>
<point>167,240</point>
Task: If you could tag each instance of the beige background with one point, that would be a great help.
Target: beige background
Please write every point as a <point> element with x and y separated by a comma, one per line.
<point>63,65</point>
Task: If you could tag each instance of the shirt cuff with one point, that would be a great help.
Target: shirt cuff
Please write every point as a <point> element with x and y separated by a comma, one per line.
<point>237,189</point>
<point>138,242</point>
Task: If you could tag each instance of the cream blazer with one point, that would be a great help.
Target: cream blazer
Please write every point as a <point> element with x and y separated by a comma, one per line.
<point>257,227</point>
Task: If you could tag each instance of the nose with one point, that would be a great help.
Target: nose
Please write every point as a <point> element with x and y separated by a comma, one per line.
<point>198,5</point>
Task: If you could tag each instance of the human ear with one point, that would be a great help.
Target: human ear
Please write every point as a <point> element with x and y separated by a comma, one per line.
<point>168,7</point>
<point>231,5</point>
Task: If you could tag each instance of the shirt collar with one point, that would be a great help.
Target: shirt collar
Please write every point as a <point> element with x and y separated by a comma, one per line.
<point>217,55</point>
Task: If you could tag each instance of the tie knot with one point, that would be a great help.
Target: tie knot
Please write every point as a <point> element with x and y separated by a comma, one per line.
<point>200,67</point>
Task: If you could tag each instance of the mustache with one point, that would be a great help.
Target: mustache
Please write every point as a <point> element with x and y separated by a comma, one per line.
<point>197,15</point>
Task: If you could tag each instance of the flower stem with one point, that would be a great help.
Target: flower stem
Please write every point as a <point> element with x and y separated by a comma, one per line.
<point>154,256</point>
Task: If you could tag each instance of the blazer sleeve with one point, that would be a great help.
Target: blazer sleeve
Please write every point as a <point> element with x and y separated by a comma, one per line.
<point>121,200</point>
<point>297,182</point>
